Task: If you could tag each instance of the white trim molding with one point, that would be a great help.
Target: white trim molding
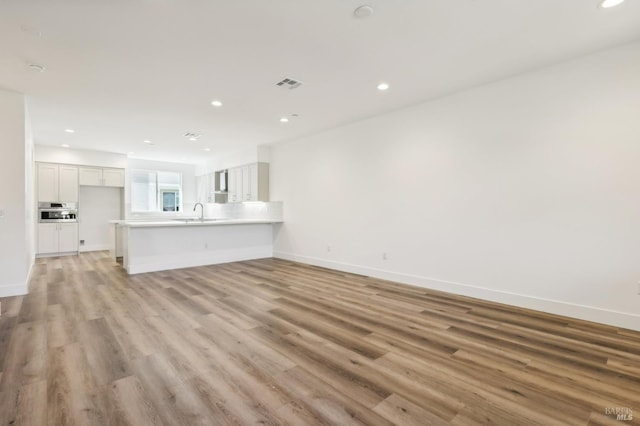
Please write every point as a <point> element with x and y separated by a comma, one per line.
<point>587,313</point>
<point>13,290</point>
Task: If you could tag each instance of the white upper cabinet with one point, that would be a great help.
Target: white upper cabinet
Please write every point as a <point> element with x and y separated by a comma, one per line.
<point>96,176</point>
<point>113,177</point>
<point>249,183</point>
<point>47,182</point>
<point>68,184</point>
<point>246,183</point>
<point>90,176</point>
<point>57,183</point>
<point>235,185</point>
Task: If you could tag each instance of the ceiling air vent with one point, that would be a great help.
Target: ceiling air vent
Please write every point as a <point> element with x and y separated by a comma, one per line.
<point>289,83</point>
<point>192,136</point>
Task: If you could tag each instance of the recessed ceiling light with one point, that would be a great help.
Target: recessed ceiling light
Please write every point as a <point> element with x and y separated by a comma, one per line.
<point>148,142</point>
<point>207,149</point>
<point>363,11</point>
<point>606,4</point>
<point>216,103</point>
<point>284,120</point>
<point>383,86</point>
<point>64,145</point>
<point>70,131</point>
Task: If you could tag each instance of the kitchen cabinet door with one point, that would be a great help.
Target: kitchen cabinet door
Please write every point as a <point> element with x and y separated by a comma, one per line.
<point>68,237</point>
<point>253,182</point>
<point>47,182</point>
<point>90,176</point>
<point>68,184</point>
<point>246,183</point>
<point>47,238</point>
<point>235,185</point>
<point>113,177</point>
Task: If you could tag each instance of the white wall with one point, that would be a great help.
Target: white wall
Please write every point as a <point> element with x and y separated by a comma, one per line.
<point>525,191</point>
<point>188,185</point>
<point>260,154</point>
<point>97,206</point>
<point>15,259</point>
<point>53,154</point>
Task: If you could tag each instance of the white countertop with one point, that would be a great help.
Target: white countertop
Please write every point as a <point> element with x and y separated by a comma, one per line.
<point>158,223</point>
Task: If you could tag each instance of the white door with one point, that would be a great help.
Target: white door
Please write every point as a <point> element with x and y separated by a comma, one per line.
<point>68,184</point>
<point>113,177</point>
<point>47,182</point>
<point>47,238</point>
<point>68,237</point>
<point>90,176</point>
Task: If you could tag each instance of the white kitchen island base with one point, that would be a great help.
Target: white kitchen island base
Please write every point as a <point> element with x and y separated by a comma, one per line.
<point>158,247</point>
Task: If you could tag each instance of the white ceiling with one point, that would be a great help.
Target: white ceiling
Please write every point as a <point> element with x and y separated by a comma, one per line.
<point>119,72</point>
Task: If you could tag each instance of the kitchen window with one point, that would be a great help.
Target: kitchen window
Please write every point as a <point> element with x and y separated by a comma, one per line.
<point>170,201</point>
<point>154,191</point>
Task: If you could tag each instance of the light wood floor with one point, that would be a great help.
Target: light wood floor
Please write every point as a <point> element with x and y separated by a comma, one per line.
<point>275,342</point>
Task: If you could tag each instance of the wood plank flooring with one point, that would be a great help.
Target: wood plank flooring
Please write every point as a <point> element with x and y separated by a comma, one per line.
<point>276,342</point>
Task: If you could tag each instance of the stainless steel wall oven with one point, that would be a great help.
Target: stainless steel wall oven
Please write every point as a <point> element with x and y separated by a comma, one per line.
<point>57,212</point>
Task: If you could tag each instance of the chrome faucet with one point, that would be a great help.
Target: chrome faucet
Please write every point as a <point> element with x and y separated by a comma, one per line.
<point>201,210</point>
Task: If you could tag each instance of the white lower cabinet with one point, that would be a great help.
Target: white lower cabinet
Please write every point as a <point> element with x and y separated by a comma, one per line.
<point>57,238</point>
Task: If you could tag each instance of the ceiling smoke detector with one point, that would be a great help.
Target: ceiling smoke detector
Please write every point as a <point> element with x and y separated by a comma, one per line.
<point>36,67</point>
<point>289,83</point>
<point>363,11</point>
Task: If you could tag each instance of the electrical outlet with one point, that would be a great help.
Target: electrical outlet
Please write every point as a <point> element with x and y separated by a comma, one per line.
<point>328,248</point>
<point>1,212</point>
<point>384,256</point>
<point>206,245</point>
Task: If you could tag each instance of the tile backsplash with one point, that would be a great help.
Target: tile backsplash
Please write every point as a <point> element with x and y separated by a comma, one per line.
<point>257,210</point>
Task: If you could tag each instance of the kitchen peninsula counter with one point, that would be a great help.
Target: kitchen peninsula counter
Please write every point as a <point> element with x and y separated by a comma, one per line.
<point>156,245</point>
<point>161,223</point>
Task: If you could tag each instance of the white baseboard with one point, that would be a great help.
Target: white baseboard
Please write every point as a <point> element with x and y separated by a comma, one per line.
<point>95,247</point>
<point>67,253</point>
<point>13,290</point>
<point>588,313</point>
<point>17,289</point>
